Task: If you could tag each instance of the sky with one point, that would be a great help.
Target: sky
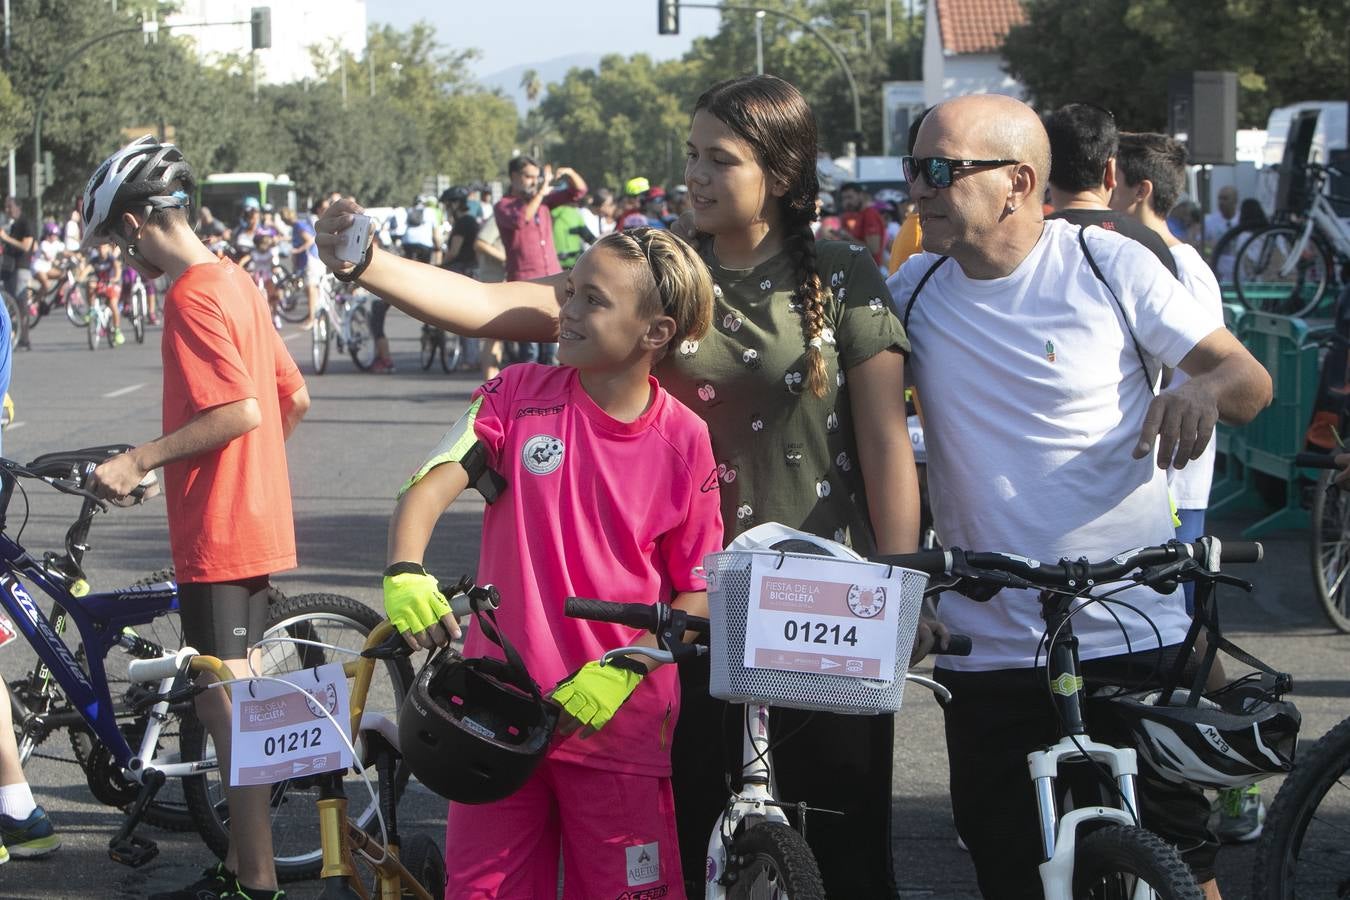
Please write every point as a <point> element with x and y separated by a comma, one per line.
<point>521,32</point>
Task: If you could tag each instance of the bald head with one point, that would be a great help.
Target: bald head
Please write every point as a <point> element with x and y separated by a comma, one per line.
<point>990,126</point>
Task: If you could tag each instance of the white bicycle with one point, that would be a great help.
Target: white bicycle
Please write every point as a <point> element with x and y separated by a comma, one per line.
<point>1286,268</point>
<point>754,850</point>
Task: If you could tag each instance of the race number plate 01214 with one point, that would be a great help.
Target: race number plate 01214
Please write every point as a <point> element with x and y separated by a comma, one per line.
<point>822,615</point>
<point>280,732</point>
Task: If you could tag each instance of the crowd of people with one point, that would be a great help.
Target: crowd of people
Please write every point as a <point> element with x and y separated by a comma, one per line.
<point>726,357</point>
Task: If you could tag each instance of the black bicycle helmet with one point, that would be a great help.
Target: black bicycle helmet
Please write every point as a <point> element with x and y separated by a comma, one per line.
<point>453,195</point>
<point>1249,734</point>
<point>470,731</point>
<point>141,172</point>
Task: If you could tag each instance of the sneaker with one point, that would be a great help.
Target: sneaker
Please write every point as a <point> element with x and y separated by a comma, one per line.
<point>215,882</point>
<point>118,338</point>
<point>153,318</point>
<point>1241,815</point>
<point>382,366</point>
<point>30,838</point>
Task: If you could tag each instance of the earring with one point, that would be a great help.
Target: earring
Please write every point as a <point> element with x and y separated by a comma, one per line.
<point>132,251</point>
<point>1011,209</point>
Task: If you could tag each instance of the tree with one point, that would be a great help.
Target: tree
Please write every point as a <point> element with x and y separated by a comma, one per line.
<point>1293,52</point>
<point>532,85</point>
<point>13,115</point>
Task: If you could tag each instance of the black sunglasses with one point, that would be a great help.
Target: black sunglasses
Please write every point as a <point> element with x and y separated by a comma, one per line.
<point>940,172</point>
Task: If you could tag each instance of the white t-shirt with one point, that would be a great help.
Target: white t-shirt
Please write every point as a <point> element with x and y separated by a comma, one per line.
<point>1033,398</point>
<point>1190,486</point>
<point>72,235</point>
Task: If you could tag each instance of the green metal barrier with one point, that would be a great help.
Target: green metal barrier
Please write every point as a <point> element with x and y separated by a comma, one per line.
<point>1289,349</point>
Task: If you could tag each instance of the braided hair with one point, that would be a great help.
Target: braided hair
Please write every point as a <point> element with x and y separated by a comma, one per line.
<point>771,116</point>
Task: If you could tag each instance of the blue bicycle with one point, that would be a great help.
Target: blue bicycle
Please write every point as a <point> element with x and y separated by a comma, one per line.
<point>143,750</point>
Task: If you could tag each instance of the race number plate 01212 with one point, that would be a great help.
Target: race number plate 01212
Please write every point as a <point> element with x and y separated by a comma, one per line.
<point>823,616</point>
<point>280,732</point>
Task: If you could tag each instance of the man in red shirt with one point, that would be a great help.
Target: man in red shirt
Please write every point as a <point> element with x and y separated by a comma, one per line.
<point>860,220</point>
<point>527,233</point>
<point>232,395</point>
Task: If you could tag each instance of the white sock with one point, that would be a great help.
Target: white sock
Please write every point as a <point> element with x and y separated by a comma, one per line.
<point>16,800</point>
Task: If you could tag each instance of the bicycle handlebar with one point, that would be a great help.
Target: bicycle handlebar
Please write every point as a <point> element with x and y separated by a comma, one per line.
<point>1011,570</point>
<point>1316,461</point>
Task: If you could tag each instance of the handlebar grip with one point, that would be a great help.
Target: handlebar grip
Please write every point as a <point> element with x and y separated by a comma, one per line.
<point>1316,461</point>
<point>933,562</point>
<point>957,645</point>
<point>142,670</point>
<point>1242,551</point>
<point>634,615</point>
<point>460,605</point>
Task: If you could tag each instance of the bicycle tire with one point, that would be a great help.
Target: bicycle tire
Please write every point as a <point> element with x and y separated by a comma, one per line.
<point>423,859</point>
<point>427,347</point>
<point>1110,862</point>
<point>77,307</point>
<point>452,351</point>
<point>140,311</point>
<point>321,338</point>
<point>1302,851</point>
<point>1226,242</point>
<point>296,859</point>
<point>770,860</point>
<point>1259,260</point>
<point>1330,543</point>
<point>30,307</point>
<point>361,342</point>
<point>94,325</point>
<point>293,299</point>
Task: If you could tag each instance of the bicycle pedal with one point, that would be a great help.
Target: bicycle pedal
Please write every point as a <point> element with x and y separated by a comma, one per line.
<point>132,851</point>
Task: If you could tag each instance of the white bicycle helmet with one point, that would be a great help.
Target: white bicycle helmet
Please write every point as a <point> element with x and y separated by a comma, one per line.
<point>142,172</point>
<point>774,536</point>
<point>1249,735</point>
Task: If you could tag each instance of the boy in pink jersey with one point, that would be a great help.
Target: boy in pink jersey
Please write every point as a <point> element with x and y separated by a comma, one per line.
<point>604,496</point>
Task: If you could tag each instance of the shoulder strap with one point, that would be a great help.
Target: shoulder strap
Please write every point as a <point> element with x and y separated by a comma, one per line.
<point>918,287</point>
<point>1087,254</point>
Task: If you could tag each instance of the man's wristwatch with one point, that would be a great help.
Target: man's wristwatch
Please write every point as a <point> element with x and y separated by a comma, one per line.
<point>360,269</point>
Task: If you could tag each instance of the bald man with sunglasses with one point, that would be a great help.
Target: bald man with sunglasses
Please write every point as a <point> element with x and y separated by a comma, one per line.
<point>1036,351</point>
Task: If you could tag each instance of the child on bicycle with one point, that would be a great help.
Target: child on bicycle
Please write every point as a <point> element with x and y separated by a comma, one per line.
<point>259,264</point>
<point>49,251</point>
<point>607,494</point>
<point>105,261</point>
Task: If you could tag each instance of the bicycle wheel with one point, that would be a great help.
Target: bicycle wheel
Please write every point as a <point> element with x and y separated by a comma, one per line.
<point>293,300</point>
<point>422,858</point>
<point>1303,851</point>
<point>428,348</point>
<point>773,860</point>
<point>321,337</point>
<point>30,307</point>
<point>140,311</point>
<point>361,343</point>
<point>341,624</point>
<point>452,350</point>
<point>77,307</point>
<point>1114,862</point>
<point>1331,551</point>
<point>1226,246</point>
<point>1268,279</point>
<point>169,809</point>
<point>94,325</point>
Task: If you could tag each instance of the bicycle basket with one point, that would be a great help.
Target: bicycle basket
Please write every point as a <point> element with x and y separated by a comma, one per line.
<point>730,584</point>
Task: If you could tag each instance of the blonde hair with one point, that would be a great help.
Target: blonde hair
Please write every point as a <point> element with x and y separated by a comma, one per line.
<point>680,286</point>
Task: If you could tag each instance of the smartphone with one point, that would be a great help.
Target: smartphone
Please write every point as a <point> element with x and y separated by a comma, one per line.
<point>352,241</point>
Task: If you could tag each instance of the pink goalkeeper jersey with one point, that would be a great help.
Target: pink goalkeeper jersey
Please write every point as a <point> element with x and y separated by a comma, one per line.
<point>593,507</point>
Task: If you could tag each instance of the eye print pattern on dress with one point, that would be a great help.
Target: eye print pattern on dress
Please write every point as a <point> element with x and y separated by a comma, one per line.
<point>843,462</point>
<point>688,349</point>
<point>706,392</point>
<point>793,455</point>
<point>876,304</point>
<point>839,536</point>
<point>732,322</point>
<point>751,358</point>
<point>793,380</point>
<point>744,512</point>
<point>822,489</point>
<point>832,423</point>
<point>766,285</point>
<point>837,279</point>
<point>756,423</point>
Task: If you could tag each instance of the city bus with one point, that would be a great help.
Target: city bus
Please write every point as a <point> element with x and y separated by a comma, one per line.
<point>224,192</point>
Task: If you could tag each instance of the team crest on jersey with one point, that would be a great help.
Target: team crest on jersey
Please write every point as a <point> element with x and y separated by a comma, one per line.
<point>542,454</point>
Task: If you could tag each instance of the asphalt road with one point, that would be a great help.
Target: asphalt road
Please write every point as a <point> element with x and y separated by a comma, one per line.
<point>364,434</point>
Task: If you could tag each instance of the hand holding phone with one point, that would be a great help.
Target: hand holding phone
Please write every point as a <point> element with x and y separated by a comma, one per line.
<point>353,240</point>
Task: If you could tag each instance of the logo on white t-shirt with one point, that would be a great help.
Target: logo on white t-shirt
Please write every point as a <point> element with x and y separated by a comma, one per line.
<point>542,454</point>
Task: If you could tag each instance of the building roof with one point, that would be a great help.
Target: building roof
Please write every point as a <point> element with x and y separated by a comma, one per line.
<point>977,26</point>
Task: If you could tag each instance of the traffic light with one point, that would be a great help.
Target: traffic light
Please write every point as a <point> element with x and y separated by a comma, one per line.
<point>261,22</point>
<point>668,16</point>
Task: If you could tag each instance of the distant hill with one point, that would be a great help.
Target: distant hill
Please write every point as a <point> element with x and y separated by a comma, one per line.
<point>550,71</point>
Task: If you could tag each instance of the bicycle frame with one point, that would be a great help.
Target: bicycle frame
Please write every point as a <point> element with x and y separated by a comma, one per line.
<point>99,619</point>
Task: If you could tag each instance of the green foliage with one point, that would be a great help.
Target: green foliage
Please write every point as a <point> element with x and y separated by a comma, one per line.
<point>13,114</point>
<point>1282,54</point>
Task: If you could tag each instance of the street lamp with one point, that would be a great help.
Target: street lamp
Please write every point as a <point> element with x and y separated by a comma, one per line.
<point>759,41</point>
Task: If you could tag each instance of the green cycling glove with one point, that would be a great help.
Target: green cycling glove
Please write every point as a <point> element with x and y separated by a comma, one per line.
<point>413,602</point>
<point>594,693</point>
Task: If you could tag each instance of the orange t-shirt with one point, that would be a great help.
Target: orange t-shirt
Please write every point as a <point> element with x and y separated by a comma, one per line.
<point>230,508</point>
